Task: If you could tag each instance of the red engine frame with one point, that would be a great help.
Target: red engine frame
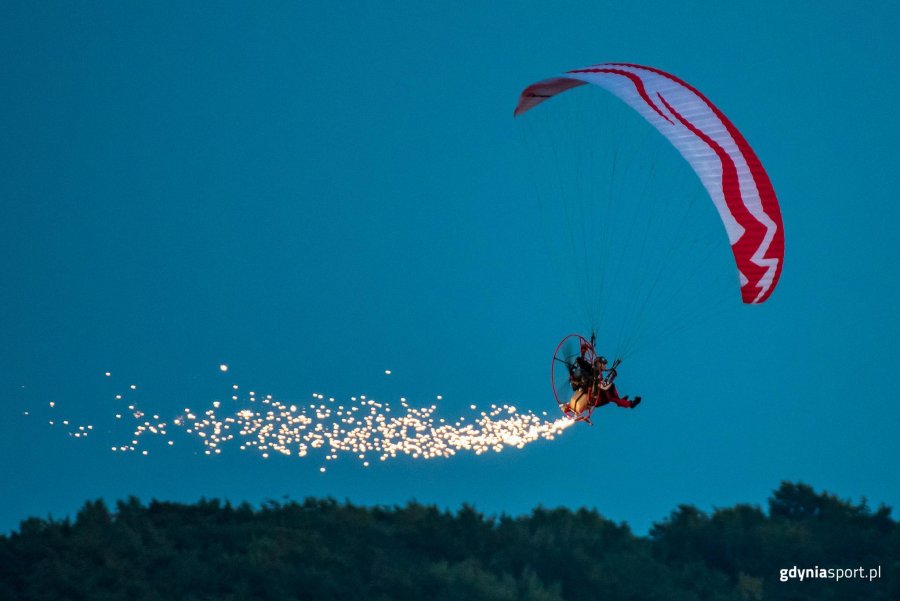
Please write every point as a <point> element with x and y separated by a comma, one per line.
<point>587,352</point>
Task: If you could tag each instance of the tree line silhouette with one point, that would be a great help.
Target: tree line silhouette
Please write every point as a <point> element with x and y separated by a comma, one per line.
<point>323,549</point>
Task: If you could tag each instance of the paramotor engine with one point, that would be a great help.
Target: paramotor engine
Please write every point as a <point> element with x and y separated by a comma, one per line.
<point>574,350</point>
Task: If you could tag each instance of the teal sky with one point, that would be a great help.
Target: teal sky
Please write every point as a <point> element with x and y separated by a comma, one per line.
<point>315,193</point>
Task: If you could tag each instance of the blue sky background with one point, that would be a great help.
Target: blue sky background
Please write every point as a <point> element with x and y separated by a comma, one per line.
<point>314,193</point>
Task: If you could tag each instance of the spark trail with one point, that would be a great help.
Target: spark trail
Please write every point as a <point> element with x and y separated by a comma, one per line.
<point>362,428</point>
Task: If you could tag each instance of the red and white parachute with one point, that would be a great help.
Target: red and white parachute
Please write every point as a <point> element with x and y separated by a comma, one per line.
<point>726,165</point>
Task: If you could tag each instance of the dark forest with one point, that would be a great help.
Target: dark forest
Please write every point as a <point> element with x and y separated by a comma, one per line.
<point>324,549</point>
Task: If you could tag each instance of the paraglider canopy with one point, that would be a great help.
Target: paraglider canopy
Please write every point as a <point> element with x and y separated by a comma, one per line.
<point>720,156</point>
